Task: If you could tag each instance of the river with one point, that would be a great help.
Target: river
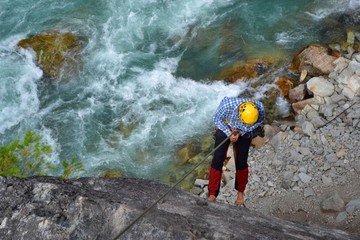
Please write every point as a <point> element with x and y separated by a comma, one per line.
<point>143,68</point>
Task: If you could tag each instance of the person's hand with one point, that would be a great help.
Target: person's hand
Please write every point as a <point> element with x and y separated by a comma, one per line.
<point>234,135</point>
<point>234,138</point>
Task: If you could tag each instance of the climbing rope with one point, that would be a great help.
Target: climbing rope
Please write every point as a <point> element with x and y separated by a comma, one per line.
<point>170,189</point>
<point>336,116</point>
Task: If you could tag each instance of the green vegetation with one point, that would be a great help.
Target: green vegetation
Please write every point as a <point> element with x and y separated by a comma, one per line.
<point>71,167</point>
<point>28,158</point>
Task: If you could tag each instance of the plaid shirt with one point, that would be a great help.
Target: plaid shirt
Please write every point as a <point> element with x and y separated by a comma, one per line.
<point>227,115</point>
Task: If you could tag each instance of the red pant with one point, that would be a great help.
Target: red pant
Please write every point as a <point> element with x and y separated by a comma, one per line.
<point>241,151</point>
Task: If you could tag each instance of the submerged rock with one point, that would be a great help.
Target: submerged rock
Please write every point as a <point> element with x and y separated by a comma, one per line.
<point>245,70</point>
<point>98,208</point>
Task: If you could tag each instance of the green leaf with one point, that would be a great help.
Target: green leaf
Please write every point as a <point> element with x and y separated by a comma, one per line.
<point>28,158</point>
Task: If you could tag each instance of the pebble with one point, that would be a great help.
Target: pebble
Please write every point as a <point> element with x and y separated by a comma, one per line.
<point>341,217</point>
<point>309,192</point>
<point>353,205</point>
<point>304,177</point>
<point>326,180</point>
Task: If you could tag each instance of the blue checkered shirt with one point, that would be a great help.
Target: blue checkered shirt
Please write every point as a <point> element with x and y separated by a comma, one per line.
<point>227,115</point>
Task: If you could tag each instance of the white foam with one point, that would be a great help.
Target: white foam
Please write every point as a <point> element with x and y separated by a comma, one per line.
<point>334,6</point>
<point>19,74</point>
<point>282,106</point>
<point>169,111</point>
<point>288,38</point>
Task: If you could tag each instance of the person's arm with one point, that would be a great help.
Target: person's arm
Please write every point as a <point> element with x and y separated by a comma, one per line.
<point>219,118</point>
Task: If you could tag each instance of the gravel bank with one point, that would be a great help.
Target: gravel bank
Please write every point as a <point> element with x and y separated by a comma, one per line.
<point>309,169</point>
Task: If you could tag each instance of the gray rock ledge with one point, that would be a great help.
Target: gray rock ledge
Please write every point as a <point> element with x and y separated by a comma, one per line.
<point>97,208</point>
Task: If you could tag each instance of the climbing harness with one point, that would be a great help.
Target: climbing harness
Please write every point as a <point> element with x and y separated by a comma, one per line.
<point>170,189</point>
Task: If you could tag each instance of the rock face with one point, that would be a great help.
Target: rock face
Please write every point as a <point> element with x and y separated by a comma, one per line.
<point>98,208</point>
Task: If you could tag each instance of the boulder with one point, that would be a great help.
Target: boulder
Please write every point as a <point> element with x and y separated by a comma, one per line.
<point>99,208</point>
<point>316,59</point>
<point>298,93</point>
<point>55,52</point>
<point>354,84</point>
<point>319,86</point>
<point>285,85</point>
<point>270,104</point>
<point>298,106</point>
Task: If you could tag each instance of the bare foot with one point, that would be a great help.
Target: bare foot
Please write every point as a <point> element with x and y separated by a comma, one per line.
<point>212,198</point>
<point>240,199</point>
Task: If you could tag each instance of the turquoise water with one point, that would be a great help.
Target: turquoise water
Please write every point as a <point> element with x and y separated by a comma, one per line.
<point>146,65</point>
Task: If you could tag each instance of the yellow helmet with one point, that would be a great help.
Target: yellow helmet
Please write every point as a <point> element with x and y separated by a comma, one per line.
<point>248,113</point>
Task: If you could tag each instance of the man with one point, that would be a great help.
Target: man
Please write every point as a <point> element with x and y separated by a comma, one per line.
<point>237,118</point>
